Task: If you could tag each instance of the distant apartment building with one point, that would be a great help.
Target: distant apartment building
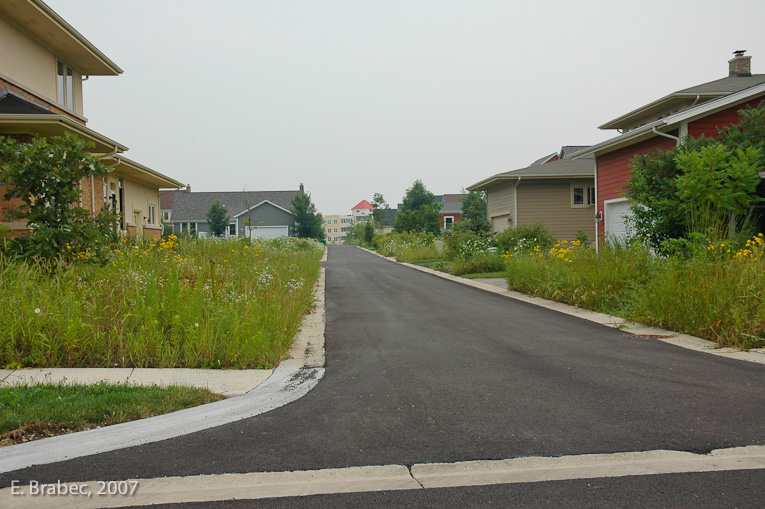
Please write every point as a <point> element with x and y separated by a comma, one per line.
<point>336,227</point>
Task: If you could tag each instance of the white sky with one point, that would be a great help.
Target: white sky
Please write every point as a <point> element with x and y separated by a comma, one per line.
<point>353,97</point>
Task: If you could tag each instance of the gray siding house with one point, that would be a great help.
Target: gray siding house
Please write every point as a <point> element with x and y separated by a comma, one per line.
<point>252,214</point>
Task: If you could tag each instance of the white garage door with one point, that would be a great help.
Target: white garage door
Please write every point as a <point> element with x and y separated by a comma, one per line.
<point>615,212</point>
<point>268,232</point>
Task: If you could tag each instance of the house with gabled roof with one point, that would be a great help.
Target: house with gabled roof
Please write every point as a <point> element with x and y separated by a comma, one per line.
<point>252,214</point>
<point>43,64</point>
<point>556,190</point>
<point>661,125</point>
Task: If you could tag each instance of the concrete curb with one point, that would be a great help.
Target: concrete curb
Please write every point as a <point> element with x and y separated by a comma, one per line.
<point>293,379</point>
<point>675,338</point>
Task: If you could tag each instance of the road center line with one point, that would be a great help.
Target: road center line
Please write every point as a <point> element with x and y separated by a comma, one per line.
<point>257,485</point>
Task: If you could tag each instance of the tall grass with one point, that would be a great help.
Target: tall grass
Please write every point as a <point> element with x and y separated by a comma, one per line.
<point>409,247</point>
<point>172,304</point>
<point>718,296</point>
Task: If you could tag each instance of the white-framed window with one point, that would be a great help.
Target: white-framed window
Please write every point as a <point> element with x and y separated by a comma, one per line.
<point>582,196</point>
<point>64,85</point>
<point>152,215</point>
<point>329,230</point>
<point>335,230</point>
<point>232,230</point>
<point>166,215</point>
<point>448,222</point>
<point>335,221</point>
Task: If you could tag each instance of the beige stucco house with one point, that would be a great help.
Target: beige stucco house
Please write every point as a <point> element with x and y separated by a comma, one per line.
<point>556,191</point>
<point>43,63</point>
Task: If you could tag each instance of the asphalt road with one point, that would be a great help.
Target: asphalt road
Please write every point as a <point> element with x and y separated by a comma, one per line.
<point>421,369</point>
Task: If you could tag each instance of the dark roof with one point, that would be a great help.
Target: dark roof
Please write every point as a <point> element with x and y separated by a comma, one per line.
<point>568,151</point>
<point>679,100</point>
<point>562,168</point>
<point>194,206</point>
<point>389,216</point>
<point>451,207</point>
<point>16,104</point>
<point>167,198</point>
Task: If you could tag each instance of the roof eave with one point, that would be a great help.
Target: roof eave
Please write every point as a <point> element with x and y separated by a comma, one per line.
<point>145,174</point>
<point>80,52</point>
<point>56,125</point>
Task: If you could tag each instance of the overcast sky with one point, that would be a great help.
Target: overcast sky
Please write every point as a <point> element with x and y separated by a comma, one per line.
<point>359,96</point>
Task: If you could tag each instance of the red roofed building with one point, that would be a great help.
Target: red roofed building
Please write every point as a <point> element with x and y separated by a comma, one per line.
<point>362,211</point>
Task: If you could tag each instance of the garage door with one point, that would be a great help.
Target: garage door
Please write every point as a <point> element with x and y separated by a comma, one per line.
<point>268,232</point>
<point>616,227</point>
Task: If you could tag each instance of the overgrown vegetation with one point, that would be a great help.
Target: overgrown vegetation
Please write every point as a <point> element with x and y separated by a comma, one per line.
<point>409,247</point>
<point>701,191</point>
<point>175,303</point>
<point>716,296</point>
<point>42,179</point>
<point>47,409</point>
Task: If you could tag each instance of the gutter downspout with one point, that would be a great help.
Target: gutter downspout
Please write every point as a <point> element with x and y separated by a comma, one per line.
<point>677,140</point>
<point>515,202</point>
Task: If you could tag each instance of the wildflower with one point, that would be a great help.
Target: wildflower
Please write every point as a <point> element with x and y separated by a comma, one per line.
<point>196,325</point>
<point>37,310</point>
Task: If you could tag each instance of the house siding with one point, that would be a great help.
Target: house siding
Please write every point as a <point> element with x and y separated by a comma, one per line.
<point>267,215</point>
<point>708,125</point>
<point>549,202</point>
<point>499,206</point>
<point>614,169</point>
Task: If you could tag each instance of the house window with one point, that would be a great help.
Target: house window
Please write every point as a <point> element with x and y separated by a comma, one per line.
<point>582,196</point>
<point>329,230</point>
<point>152,215</point>
<point>335,230</point>
<point>166,215</point>
<point>448,222</point>
<point>65,85</point>
<point>335,221</point>
<point>232,230</point>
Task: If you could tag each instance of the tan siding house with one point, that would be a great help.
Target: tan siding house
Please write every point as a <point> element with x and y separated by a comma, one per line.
<point>559,194</point>
<point>43,63</point>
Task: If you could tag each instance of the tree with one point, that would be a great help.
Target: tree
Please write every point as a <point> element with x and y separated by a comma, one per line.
<point>217,219</point>
<point>704,186</point>
<point>419,211</point>
<point>474,212</point>
<point>308,222</point>
<point>381,210</point>
<point>46,176</point>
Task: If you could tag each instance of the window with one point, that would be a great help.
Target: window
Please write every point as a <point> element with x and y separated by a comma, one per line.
<point>166,215</point>
<point>232,230</point>
<point>152,215</point>
<point>65,85</point>
<point>582,196</point>
<point>335,230</point>
<point>448,222</point>
<point>335,221</point>
<point>329,230</point>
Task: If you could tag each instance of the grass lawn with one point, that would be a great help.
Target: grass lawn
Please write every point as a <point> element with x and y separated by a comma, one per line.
<point>485,275</point>
<point>39,411</point>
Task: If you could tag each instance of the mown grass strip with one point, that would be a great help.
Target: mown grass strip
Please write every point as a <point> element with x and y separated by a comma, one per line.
<point>36,411</point>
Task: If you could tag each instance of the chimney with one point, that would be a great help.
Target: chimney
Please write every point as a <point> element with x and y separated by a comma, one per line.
<point>302,189</point>
<point>188,188</point>
<point>740,65</point>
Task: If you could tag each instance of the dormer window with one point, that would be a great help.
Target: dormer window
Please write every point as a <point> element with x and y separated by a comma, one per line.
<point>65,85</point>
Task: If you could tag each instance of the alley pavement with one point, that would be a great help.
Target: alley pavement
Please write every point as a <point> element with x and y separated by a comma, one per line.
<point>422,370</point>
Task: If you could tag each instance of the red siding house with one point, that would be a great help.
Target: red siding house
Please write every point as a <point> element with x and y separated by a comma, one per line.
<point>661,125</point>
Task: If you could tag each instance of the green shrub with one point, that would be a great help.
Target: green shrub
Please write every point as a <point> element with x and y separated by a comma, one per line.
<point>466,245</point>
<point>524,238</point>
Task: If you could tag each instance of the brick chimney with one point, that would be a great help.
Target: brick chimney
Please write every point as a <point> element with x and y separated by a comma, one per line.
<point>302,188</point>
<point>740,65</point>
